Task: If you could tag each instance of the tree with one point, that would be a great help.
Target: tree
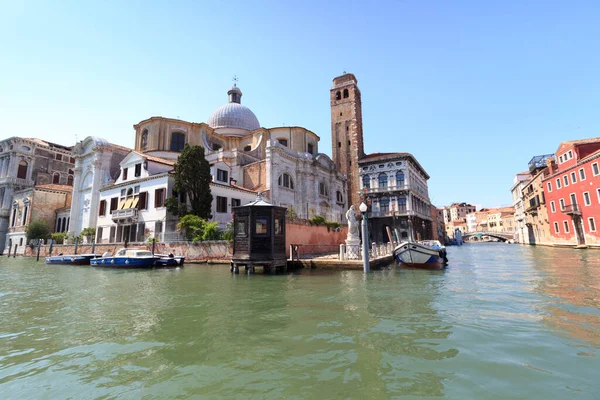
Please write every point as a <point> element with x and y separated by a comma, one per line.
<point>196,229</point>
<point>192,178</point>
<point>37,229</point>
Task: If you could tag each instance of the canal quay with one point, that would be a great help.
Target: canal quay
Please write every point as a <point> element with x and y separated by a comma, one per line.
<point>501,322</point>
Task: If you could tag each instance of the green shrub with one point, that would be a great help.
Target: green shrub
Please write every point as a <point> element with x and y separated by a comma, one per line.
<point>88,232</point>
<point>59,237</point>
<point>37,229</point>
<point>196,229</point>
<point>317,220</point>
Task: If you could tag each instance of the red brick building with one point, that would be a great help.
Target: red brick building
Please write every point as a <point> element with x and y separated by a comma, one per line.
<point>572,192</point>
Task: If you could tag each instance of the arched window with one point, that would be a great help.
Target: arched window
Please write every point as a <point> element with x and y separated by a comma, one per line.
<point>56,178</point>
<point>144,141</point>
<point>338,197</point>
<point>338,95</point>
<point>323,190</point>
<point>177,141</point>
<point>70,180</point>
<point>399,178</point>
<point>345,93</point>
<point>286,181</point>
<point>382,180</point>
<point>25,211</point>
<point>129,192</point>
<point>22,171</point>
<point>366,182</point>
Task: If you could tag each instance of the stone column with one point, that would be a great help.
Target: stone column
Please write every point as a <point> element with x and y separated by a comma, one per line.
<point>76,206</point>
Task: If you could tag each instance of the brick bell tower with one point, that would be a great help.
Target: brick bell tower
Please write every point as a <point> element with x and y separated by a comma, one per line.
<point>347,133</point>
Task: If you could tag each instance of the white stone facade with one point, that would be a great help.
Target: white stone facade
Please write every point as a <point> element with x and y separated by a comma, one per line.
<point>520,181</point>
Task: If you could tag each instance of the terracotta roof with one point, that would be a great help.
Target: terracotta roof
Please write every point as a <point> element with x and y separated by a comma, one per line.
<point>53,186</point>
<point>48,144</point>
<point>583,141</point>
<point>119,147</point>
<point>156,159</point>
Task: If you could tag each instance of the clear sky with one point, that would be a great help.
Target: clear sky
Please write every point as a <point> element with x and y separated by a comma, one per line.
<point>473,89</point>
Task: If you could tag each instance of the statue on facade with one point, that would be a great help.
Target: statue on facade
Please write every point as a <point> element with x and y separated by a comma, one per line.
<point>352,223</point>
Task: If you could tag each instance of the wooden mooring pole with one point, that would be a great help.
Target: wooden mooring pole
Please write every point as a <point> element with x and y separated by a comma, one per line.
<point>76,244</point>
<point>39,248</point>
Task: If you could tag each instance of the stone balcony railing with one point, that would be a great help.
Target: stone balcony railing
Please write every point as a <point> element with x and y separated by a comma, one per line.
<point>16,181</point>
<point>387,189</point>
<point>125,214</point>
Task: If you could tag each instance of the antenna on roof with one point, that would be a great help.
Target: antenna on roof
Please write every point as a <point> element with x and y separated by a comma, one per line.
<point>235,80</point>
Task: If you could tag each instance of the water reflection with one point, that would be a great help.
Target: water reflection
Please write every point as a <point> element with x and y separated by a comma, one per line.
<point>572,280</point>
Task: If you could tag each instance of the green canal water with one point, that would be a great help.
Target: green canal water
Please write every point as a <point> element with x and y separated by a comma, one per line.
<point>503,321</point>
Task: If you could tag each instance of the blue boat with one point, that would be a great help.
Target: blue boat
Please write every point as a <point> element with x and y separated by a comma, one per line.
<point>73,259</point>
<point>169,260</point>
<point>127,258</point>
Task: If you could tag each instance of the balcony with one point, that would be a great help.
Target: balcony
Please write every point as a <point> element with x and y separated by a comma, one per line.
<point>16,181</point>
<point>387,189</point>
<point>572,209</point>
<point>538,163</point>
<point>128,213</point>
<point>383,214</point>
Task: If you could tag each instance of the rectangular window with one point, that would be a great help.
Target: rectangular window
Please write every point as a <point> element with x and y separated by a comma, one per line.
<point>261,226</point>
<point>221,204</point>
<point>566,226</point>
<point>598,194</point>
<point>112,234</point>
<point>123,192</point>
<point>560,160</point>
<point>58,157</point>
<point>236,203</point>
<point>566,180</point>
<point>138,170</point>
<point>581,174</point>
<point>558,183</point>
<point>159,198</point>
<point>570,154</point>
<point>549,186</point>
<point>573,199</point>
<point>586,199</point>
<point>102,211</point>
<point>222,175</point>
<point>556,227</point>
<point>562,204</point>
<point>99,235</point>
<point>310,148</point>
<point>592,224</point>
<point>114,203</point>
<point>595,169</point>
<point>143,203</point>
<point>124,174</point>
<point>136,189</point>
<point>72,160</point>
<point>278,226</point>
<point>573,177</point>
<point>552,206</point>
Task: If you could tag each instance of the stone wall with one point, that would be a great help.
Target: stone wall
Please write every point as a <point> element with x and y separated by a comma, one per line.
<point>298,232</point>
<point>213,250</point>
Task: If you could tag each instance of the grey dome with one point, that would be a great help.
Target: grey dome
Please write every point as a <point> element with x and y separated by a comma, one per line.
<point>233,115</point>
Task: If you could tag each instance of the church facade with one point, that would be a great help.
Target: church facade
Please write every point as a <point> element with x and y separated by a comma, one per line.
<point>284,163</point>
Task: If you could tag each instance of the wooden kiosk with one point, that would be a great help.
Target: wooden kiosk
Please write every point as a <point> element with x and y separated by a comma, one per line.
<point>259,237</point>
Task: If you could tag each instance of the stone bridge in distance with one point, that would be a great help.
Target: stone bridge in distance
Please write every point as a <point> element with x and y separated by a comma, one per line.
<point>504,236</point>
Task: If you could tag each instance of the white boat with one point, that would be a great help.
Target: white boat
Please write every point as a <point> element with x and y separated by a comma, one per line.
<point>421,254</point>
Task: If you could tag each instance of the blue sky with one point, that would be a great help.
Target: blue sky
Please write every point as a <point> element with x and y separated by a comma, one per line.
<point>473,89</point>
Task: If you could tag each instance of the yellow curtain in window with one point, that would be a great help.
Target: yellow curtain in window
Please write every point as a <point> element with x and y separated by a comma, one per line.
<point>136,199</point>
<point>121,204</point>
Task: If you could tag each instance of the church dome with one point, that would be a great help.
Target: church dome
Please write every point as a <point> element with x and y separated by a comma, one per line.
<point>233,114</point>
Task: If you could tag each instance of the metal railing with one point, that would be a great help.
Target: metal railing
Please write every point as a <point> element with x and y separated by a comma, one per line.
<point>572,209</point>
<point>388,189</point>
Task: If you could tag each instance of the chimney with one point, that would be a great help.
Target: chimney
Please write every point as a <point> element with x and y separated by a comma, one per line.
<point>551,163</point>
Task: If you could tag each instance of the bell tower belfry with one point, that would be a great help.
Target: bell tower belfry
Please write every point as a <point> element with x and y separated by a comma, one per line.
<point>346,132</point>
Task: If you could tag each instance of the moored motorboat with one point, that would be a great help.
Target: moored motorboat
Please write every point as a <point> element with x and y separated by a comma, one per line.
<point>421,254</point>
<point>127,258</point>
<point>70,259</point>
<point>169,260</point>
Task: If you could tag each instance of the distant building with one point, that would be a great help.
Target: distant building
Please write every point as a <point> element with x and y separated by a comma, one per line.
<point>457,211</point>
<point>520,180</point>
<point>536,213</point>
<point>438,226</point>
<point>25,162</point>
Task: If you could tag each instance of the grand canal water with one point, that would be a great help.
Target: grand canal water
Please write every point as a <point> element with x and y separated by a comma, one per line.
<point>503,321</point>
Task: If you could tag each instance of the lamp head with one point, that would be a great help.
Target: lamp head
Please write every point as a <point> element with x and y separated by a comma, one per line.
<point>362,207</point>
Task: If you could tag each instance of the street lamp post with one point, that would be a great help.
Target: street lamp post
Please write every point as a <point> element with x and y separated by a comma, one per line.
<point>365,237</point>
